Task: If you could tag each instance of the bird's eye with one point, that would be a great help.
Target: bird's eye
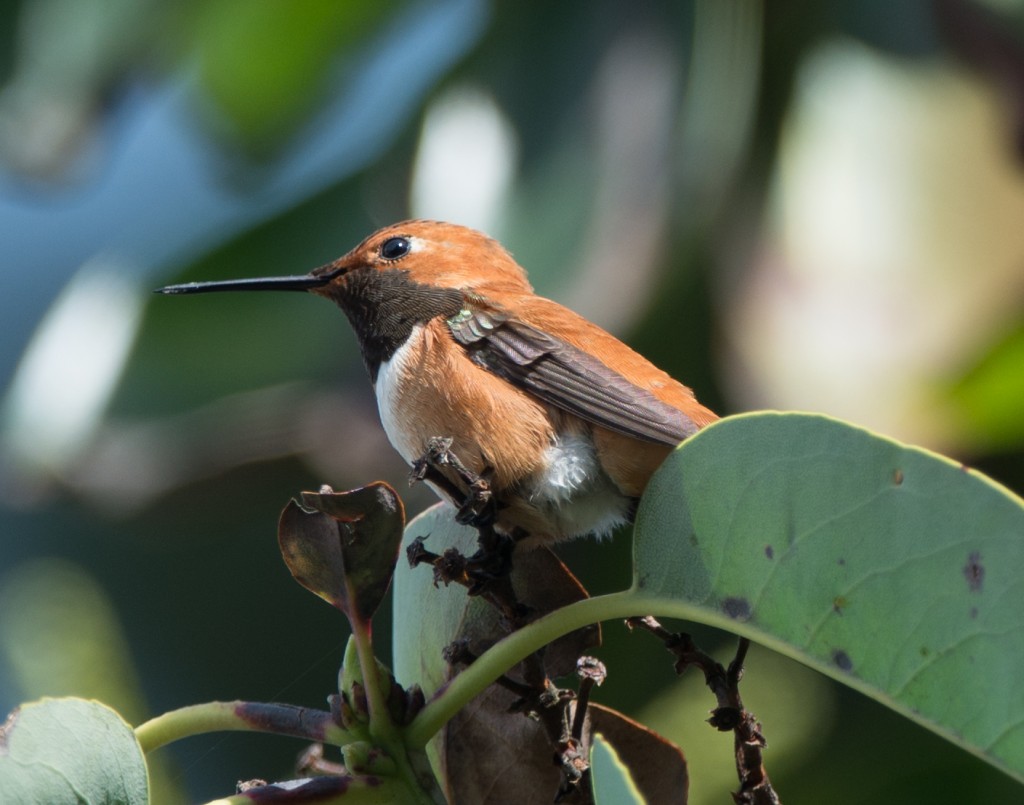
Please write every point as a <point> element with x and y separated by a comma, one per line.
<point>395,248</point>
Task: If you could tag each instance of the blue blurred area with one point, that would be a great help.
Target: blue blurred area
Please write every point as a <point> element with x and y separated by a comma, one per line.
<point>158,195</point>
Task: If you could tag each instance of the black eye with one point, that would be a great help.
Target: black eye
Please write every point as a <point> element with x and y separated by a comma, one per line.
<point>395,248</point>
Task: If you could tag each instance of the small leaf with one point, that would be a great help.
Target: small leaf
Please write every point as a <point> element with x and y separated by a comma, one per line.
<point>70,750</point>
<point>345,549</point>
<point>310,547</point>
<point>891,569</point>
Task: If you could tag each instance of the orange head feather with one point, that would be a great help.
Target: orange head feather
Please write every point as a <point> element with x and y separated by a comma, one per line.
<point>441,255</point>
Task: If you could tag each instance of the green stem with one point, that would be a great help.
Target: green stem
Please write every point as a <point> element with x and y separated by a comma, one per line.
<point>280,719</point>
<point>238,716</point>
<point>381,727</point>
<point>510,650</point>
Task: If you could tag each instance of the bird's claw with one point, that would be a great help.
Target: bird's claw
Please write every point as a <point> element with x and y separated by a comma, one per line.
<point>479,507</point>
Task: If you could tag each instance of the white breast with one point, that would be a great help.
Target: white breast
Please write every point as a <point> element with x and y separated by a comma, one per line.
<point>389,393</point>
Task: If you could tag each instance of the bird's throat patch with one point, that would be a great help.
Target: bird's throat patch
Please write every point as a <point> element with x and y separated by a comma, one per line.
<point>384,306</point>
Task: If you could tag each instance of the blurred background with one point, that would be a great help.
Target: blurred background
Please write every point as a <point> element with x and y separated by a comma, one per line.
<point>798,205</point>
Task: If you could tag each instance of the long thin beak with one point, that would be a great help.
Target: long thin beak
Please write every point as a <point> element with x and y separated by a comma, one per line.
<point>302,283</point>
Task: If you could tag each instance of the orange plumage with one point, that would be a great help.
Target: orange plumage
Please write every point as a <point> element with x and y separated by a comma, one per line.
<point>495,424</point>
<point>569,421</point>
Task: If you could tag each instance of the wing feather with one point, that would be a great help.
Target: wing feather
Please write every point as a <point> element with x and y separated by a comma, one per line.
<point>565,376</point>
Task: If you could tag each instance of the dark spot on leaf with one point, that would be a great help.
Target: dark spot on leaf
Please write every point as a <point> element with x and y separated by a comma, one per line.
<point>897,477</point>
<point>924,651</point>
<point>769,551</point>
<point>839,604</point>
<point>693,540</point>
<point>974,572</point>
<point>974,613</point>
<point>840,561</point>
<point>842,660</point>
<point>736,608</point>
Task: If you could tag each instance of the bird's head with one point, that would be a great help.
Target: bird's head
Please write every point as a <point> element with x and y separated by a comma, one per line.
<point>431,253</point>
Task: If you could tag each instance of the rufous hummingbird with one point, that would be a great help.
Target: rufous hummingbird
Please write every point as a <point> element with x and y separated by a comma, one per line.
<point>566,422</point>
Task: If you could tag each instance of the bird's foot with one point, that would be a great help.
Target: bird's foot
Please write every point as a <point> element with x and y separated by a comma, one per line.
<point>487,573</point>
<point>479,506</point>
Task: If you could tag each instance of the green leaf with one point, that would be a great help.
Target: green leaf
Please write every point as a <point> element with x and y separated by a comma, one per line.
<point>485,747</point>
<point>70,750</point>
<point>429,617</point>
<point>891,569</point>
<point>894,570</point>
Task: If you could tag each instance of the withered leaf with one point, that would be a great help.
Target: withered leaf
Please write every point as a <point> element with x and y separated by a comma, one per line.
<point>657,766</point>
<point>343,546</point>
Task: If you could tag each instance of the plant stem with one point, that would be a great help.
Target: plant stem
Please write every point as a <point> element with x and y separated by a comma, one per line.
<point>238,716</point>
<point>382,729</point>
<point>503,655</point>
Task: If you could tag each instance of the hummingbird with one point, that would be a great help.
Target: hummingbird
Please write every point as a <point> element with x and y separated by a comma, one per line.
<point>564,421</point>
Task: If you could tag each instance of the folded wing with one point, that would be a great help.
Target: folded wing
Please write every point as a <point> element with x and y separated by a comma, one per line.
<point>567,377</point>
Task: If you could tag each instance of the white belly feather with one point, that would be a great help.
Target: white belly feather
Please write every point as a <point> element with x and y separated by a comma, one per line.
<point>575,493</point>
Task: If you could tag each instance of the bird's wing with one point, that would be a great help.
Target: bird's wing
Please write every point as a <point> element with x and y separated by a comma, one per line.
<point>570,378</point>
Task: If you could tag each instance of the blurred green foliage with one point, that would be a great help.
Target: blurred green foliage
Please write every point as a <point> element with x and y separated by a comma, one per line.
<point>650,187</point>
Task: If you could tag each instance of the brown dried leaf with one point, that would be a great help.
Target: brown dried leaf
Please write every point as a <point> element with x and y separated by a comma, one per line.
<point>657,766</point>
<point>345,549</point>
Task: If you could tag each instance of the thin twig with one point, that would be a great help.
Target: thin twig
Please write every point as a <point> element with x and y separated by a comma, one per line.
<point>729,715</point>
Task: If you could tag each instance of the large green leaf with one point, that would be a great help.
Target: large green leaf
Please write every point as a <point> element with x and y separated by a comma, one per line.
<point>70,750</point>
<point>891,569</point>
<point>894,570</point>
